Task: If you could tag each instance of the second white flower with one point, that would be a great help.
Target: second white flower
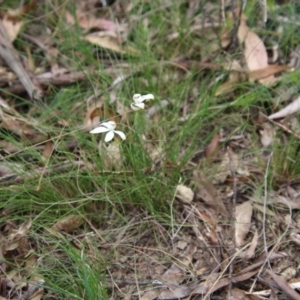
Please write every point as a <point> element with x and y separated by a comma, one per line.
<point>139,101</point>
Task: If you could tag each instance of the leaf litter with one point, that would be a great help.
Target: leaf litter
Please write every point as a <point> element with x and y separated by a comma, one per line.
<point>211,247</point>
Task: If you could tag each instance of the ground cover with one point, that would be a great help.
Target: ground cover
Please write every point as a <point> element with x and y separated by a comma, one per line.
<point>149,150</point>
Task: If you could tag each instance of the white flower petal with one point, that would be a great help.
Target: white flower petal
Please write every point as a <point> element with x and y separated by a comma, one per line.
<point>137,106</point>
<point>136,97</point>
<point>99,129</point>
<point>121,134</point>
<point>110,125</point>
<point>109,136</point>
<point>147,97</point>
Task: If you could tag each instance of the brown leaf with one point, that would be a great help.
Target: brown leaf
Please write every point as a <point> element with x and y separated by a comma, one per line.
<point>69,223</point>
<point>255,52</point>
<point>269,81</point>
<point>48,149</point>
<point>212,148</point>
<point>243,215</point>
<point>267,71</point>
<point>207,191</point>
<point>216,285</point>
<point>111,41</point>
<point>283,286</point>
<point>179,292</point>
<point>238,294</point>
<point>88,21</point>
<point>290,202</point>
<point>149,295</point>
<point>173,276</point>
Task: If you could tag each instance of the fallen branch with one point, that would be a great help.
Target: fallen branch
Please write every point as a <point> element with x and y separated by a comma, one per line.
<point>45,80</point>
<point>11,57</point>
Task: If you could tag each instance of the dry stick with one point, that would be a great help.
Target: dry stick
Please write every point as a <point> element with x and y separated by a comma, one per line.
<point>211,289</point>
<point>47,79</point>
<point>114,282</point>
<point>268,258</point>
<point>265,210</point>
<point>236,22</point>
<point>265,293</point>
<point>233,220</point>
<point>284,128</point>
<point>131,282</point>
<point>11,57</point>
<point>264,224</point>
<point>200,236</point>
<point>222,12</point>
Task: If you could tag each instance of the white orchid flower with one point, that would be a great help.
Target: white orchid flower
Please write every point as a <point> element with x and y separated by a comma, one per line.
<point>108,127</point>
<point>138,101</point>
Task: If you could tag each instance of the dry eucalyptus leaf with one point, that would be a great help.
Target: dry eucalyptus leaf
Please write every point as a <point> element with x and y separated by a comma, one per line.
<point>267,72</point>
<point>149,295</point>
<point>212,148</point>
<point>209,194</point>
<point>106,40</point>
<point>69,223</point>
<point>243,215</point>
<point>184,193</point>
<point>181,291</point>
<point>255,52</point>
<point>288,110</point>
<point>88,21</point>
<point>111,41</point>
<point>48,149</point>
<point>283,286</point>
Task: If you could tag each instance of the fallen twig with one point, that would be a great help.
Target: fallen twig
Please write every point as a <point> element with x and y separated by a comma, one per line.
<point>233,219</point>
<point>11,57</point>
<point>47,79</point>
